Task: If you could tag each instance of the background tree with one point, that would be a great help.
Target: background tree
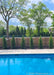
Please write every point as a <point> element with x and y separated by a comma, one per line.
<point>39,12</point>
<point>2,31</point>
<point>2,28</point>
<point>52,20</point>
<point>2,24</point>
<point>12,28</point>
<point>21,31</point>
<point>9,9</point>
<point>17,31</point>
<point>25,19</point>
<point>24,32</point>
<point>29,33</point>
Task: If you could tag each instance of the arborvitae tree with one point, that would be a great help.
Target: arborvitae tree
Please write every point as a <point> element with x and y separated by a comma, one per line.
<point>4,43</point>
<point>40,43</point>
<point>23,43</point>
<point>51,42</point>
<point>31,43</point>
<point>12,33</point>
<point>24,31</point>
<point>17,31</point>
<point>13,42</point>
<point>21,31</point>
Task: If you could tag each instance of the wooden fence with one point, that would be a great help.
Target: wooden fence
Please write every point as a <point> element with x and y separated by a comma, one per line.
<point>27,39</point>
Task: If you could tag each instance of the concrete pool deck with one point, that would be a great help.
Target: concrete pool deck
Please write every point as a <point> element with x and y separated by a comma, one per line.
<point>27,51</point>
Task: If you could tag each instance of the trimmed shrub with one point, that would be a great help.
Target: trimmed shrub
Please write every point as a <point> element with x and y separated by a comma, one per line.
<point>23,43</point>
<point>31,43</point>
<point>13,42</point>
<point>40,43</point>
<point>51,42</point>
<point>4,43</point>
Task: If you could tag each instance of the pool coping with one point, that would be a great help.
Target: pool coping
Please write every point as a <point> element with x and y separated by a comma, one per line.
<point>26,51</point>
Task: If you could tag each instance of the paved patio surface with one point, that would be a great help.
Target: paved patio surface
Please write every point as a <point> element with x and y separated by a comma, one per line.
<point>27,51</point>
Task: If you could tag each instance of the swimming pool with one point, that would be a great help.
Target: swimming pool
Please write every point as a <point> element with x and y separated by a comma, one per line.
<point>39,64</point>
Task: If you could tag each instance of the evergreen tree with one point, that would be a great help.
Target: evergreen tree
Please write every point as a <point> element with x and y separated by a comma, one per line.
<point>23,43</point>
<point>24,31</point>
<point>13,43</point>
<point>31,43</point>
<point>40,43</point>
<point>21,31</point>
<point>51,42</point>
<point>17,31</point>
<point>4,43</point>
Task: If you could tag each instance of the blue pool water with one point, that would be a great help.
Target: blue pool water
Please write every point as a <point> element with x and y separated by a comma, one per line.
<point>27,64</point>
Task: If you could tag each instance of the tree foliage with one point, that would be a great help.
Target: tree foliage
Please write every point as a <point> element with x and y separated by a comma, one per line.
<point>40,43</point>
<point>25,19</point>
<point>17,31</point>
<point>13,42</point>
<point>39,12</point>
<point>10,8</point>
<point>2,24</point>
<point>51,42</point>
<point>52,20</point>
<point>4,43</point>
<point>23,43</point>
<point>33,17</point>
<point>31,43</point>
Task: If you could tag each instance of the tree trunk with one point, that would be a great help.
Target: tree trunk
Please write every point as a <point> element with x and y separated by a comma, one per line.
<point>7,29</point>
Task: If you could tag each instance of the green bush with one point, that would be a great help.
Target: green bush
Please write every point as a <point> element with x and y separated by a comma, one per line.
<point>31,43</point>
<point>51,42</point>
<point>23,43</point>
<point>4,43</point>
<point>40,43</point>
<point>13,43</point>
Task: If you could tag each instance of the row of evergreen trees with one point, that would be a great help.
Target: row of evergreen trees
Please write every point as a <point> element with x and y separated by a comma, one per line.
<point>23,43</point>
<point>22,31</point>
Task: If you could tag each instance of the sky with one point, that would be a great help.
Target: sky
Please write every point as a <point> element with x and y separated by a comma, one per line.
<point>48,3</point>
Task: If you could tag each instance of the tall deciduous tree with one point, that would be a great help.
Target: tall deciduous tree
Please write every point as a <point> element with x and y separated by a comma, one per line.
<point>9,9</point>
<point>52,20</point>
<point>39,12</point>
<point>25,19</point>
